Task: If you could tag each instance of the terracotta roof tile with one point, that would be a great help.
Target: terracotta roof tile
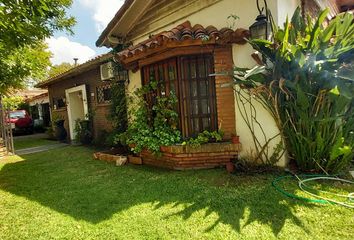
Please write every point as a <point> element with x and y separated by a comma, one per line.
<point>186,31</point>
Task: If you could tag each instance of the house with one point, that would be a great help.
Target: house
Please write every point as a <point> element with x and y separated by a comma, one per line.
<point>79,93</point>
<point>188,45</point>
<point>39,109</point>
<point>191,45</point>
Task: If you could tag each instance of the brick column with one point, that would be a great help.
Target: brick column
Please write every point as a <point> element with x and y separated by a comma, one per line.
<point>225,99</point>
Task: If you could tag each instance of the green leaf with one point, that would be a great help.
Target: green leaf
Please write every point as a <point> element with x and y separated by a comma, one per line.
<point>335,91</point>
<point>316,29</point>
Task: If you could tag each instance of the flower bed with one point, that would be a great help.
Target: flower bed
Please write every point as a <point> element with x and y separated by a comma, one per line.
<point>181,157</point>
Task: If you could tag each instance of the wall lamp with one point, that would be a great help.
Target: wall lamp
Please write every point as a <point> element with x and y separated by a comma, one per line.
<point>262,28</point>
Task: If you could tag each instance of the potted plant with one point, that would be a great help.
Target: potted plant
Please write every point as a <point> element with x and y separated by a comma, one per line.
<point>235,139</point>
<point>60,132</point>
<point>85,134</point>
<point>230,167</point>
<point>83,131</point>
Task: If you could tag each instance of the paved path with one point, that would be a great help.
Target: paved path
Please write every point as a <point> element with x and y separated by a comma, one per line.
<point>35,136</point>
<point>40,148</point>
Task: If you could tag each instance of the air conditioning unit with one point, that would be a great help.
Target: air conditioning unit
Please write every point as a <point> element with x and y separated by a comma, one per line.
<point>107,71</point>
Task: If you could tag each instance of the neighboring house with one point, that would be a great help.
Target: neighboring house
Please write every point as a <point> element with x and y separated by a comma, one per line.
<point>39,109</point>
<point>79,93</point>
<point>26,94</point>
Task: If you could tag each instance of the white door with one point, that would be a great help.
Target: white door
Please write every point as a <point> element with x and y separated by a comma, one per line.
<point>76,99</point>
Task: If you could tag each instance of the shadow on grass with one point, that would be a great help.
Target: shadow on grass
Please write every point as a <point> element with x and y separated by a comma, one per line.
<point>69,181</point>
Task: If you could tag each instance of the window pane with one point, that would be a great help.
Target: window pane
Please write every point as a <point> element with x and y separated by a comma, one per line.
<point>201,68</point>
<point>196,128</point>
<point>161,75</point>
<point>152,74</point>
<point>162,80</point>
<point>195,109</point>
<point>107,94</point>
<point>171,72</point>
<point>204,88</point>
<point>205,106</point>
<point>206,123</point>
<point>194,89</point>
<point>173,87</point>
<point>193,73</point>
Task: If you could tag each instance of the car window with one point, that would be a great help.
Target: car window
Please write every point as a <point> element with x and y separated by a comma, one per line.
<point>19,114</point>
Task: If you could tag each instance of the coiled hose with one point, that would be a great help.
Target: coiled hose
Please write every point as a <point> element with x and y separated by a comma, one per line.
<point>306,189</point>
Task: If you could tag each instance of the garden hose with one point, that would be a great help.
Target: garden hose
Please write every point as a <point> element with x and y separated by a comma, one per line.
<point>301,186</point>
<point>320,199</point>
<point>279,189</point>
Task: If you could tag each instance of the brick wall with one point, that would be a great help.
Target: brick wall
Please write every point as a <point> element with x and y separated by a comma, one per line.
<point>225,99</point>
<point>101,119</point>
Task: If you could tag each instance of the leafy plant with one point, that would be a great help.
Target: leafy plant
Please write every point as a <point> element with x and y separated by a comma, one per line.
<point>12,103</point>
<point>51,129</point>
<point>205,137</point>
<point>152,127</point>
<point>307,84</point>
<point>118,111</point>
<point>83,131</point>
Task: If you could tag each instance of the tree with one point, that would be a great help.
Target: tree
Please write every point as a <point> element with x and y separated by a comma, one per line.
<point>24,25</point>
<point>58,69</point>
<point>27,62</point>
<point>12,103</point>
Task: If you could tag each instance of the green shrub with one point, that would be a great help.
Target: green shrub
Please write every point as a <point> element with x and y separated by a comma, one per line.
<point>205,137</point>
<point>307,84</point>
<point>153,127</point>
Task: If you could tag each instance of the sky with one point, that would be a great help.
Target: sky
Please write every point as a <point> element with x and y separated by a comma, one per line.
<point>92,17</point>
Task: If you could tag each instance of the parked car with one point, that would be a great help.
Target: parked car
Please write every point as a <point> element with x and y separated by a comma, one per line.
<point>20,121</point>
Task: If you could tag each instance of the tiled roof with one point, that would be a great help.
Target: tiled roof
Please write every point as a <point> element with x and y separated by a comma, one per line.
<point>76,70</point>
<point>186,31</point>
<point>27,93</point>
<point>43,95</point>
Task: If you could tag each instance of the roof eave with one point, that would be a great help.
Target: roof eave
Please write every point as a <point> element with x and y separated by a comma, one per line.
<point>75,71</point>
<point>102,39</point>
<point>118,29</point>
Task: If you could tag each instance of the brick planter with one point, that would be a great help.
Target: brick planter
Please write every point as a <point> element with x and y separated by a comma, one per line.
<point>180,157</point>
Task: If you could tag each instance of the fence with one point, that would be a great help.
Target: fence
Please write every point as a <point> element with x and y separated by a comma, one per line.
<point>6,138</point>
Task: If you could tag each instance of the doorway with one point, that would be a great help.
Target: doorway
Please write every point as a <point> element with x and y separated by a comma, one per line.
<point>76,98</point>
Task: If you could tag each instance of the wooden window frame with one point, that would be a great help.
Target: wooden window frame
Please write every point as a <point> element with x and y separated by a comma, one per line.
<point>182,84</point>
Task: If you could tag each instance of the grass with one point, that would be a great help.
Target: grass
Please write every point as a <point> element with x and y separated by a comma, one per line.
<point>64,194</point>
<point>22,143</point>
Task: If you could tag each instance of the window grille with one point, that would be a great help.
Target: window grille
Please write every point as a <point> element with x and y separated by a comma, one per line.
<point>104,94</point>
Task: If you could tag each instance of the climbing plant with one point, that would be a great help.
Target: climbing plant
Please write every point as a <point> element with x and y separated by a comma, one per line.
<point>152,124</point>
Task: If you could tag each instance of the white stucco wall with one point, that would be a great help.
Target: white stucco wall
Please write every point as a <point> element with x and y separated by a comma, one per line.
<point>217,15</point>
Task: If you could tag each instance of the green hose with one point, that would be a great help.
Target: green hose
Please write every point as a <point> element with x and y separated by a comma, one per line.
<point>275,181</point>
<point>302,186</point>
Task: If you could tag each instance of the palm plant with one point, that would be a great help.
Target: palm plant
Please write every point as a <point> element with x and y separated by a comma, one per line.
<point>307,84</point>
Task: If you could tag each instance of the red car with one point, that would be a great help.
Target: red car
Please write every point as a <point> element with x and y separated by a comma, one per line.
<point>20,121</point>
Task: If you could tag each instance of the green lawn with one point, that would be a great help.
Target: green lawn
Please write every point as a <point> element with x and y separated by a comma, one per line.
<point>64,194</point>
<point>21,143</point>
